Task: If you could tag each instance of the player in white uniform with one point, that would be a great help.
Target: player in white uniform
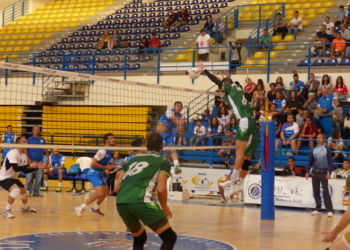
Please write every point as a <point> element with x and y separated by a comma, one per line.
<point>14,163</point>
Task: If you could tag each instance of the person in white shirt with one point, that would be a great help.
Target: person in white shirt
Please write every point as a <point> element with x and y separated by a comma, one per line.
<point>203,41</point>
<point>295,25</point>
<point>199,135</point>
<point>329,28</point>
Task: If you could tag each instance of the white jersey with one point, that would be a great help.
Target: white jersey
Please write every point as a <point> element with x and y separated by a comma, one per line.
<point>13,157</point>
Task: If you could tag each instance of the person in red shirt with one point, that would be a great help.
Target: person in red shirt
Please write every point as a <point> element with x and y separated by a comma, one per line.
<point>340,91</point>
<point>307,131</point>
<point>183,17</point>
<point>250,87</point>
<point>154,44</point>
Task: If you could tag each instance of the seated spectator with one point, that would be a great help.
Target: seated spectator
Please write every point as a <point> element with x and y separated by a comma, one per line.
<point>183,17</point>
<point>340,91</point>
<point>347,125</point>
<point>209,27</point>
<point>275,116</point>
<point>154,44</point>
<point>232,126</point>
<point>235,58</point>
<point>199,133</point>
<point>340,17</point>
<point>329,28</point>
<point>299,118</point>
<point>338,47</point>
<point>312,85</point>
<point>290,130</point>
<point>307,131</point>
<point>100,45</point>
<point>220,27</point>
<point>265,39</point>
<point>297,85</point>
<point>250,87</point>
<point>322,38</point>
<point>228,140</point>
<point>335,143</point>
<point>223,117</point>
<point>294,102</point>
<point>271,95</point>
<point>214,130</point>
<point>320,128</point>
<point>291,166</point>
<point>345,172</point>
<point>115,40</point>
<point>281,103</point>
<point>280,87</point>
<point>105,38</point>
<point>222,190</point>
<point>296,25</point>
<point>260,89</point>
<point>57,168</point>
<point>112,173</point>
<point>172,19</point>
<point>284,116</point>
<point>143,46</point>
<point>348,14</point>
<point>280,26</point>
<point>205,115</point>
<point>325,105</point>
<point>310,105</point>
<point>260,102</point>
<point>218,101</point>
<point>325,84</point>
<point>345,33</point>
<point>338,120</point>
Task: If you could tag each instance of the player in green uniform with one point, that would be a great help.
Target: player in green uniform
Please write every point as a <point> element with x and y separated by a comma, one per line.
<point>240,106</point>
<point>135,183</point>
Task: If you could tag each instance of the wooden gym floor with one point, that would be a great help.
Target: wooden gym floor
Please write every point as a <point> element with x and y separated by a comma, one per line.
<point>239,226</point>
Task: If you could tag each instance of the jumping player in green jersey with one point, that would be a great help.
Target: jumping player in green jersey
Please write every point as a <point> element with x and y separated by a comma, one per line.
<point>135,183</point>
<point>240,106</point>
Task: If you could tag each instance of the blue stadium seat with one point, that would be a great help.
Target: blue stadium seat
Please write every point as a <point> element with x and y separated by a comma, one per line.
<point>88,53</point>
<point>203,1</point>
<point>160,20</point>
<point>195,22</point>
<point>166,36</point>
<point>146,31</point>
<point>109,17</point>
<point>85,60</point>
<point>143,15</point>
<point>78,53</point>
<point>89,46</point>
<point>223,5</point>
<point>143,10</point>
<point>151,20</point>
<point>136,38</point>
<point>117,17</point>
<point>64,40</point>
<point>100,23</point>
<point>123,52</point>
<point>327,124</point>
<point>135,45</point>
<point>125,16</point>
<point>145,25</point>
<point>56,67</point>
<point>108,23</point>
<point>114,67</point>
<point>326,53</point>
<point>79,46</point>
<point>177,3</point>
<point>47,61</point>
<point>30,62</point>
<point>135,59</point>
<point>177,8</point>
<point>88,40</point>
<point>345,62</point>
<point>206,6</point>
<point>134,21</point>
<point>73,40</point>
<point>186,2</point>
<point>71,46</point>
<point>197,18</point>
<point>158,4</point>
<point>194,2</point>
<point>143,5</point>
<point>74,34</point>
<point>197,12</point>
<point>84,28</point>
<point>143,20</point>
<point>152,9</point>
<point>47,67</point>
<point>137,31</point>
<point>151,4</point>
<point>156,30</point>
<point>166,43</point>
<point>105,60</point>
<point>39,61</point>
<point>176,36</point>
<point>115,22</point>
<point>57,60</point>
<point>165,30</point>
<point>214,6</point>
<point>93,27</point>
<point>134,6</point>
<point>206,12</point>
<point>318,62</point>
<point>42,54</point>
<point>303,63</point>
<point>127,66</point>
<point>116,59</point>
<point>82,39</point>
<point>169,3</point>
<point>104,67</point>
<point>117,12</point>
<point>96,40</point>
<point>125,21</point>
<point>184,29</point>
<point>62,47</point>
<point>127,32</point>
<point>331,62</point>
<point>336,28</point>
<point>91,33</point>
<point>160,14</point>
<point>145,59</point>
<point>126,11</point>
<point>195,7</point>
<point>216,11</point>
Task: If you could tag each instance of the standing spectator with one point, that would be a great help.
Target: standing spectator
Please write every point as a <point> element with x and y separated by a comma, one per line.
<point>281,103</point>
<point>290,130</point>
<point>8,137</point>
<point>308,131</point>
<point>265,39</point>
<point>183,17</point>
<point>228,140</point>
<point>235,59</point>
<point>57,168</point>
<point>143,46</point>
<point>338,119</point>
<point>105,38</point>
<point>338,47</point>
<point>260,89</point>
<point>115,40</point>
<point>203,41</point>
<point>321,37</point>
<point>329,28</point>
<point>294,102</point>
<point>320,162</point>
<point>280,26</point>
<point>297,85</point>
<point>199,135</point>
<point>325,105</point>
<point>172,20</point>
<point>347,125</point>
<point>335,143</point>
<point>310,104</point>
<point>296,25</point>
<point>271,95</point>
<point>205,115</point>
<point>280,86</point>
<point>340,17</point>
<point>345,33</point>
<point>154,44</point>
<point>325,84</point>
<point>223,117</point>
<point>312,85</point>
<point>250,87</point>
<point>208,26</point>
<point>35,155</point>
<point>340,91</point>
<point>112,173</point>
<point>219,26</point>
<point>214,130</point>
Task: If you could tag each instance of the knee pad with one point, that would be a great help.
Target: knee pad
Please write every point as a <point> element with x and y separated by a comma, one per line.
<point>26,195</point>
<point>245,165</point>
<point>141,240</point>
<point>169,236</point>
<point>15,192</point>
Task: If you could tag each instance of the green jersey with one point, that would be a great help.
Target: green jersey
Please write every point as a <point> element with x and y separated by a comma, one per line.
<point>141,175</point>
<point>239,106</point>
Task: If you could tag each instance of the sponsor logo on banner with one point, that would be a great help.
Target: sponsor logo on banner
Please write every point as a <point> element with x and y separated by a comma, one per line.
<point>345,197</point>
<point>254,191</point>
<point>178,179</point>
<point>201,180</point>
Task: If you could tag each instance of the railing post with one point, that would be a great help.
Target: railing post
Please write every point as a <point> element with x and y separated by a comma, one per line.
<point>309,60</point>
<point>125,55</point>
<point>236,13</point>
<point>249,43</point>
<point>268,63</point>
<point>63,63</point>
<point>93,63</point>
<point>283,10</point>
<point>259,18</point>
<point>13,12</point>
<point>34,74</point>
<point>230,61</point>
<point>158,67</point>
<point>6,72</point>
<point>194,60</point>
<point>23,8</point>
<point>3,18</point>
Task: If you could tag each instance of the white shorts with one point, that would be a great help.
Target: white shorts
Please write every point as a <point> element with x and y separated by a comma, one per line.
<point>345,240</point>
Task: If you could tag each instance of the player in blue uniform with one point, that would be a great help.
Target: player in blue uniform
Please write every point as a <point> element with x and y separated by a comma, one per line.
<point>7,137</point>
<point>56,168</point>
<point>169,125</point>
<point>99,166</point>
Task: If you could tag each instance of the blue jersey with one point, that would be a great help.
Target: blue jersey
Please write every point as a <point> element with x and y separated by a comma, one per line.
<point>9,138</point>
<point>280,104</point>
<point>128,158</point>
<point>103,157</point>
<point>57,161</point>
<point>169,124</point>
<point>119,161</point>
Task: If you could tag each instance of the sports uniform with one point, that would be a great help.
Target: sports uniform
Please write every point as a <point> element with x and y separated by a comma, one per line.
<point>134,200</point>
<point>168,138</point>
<point>96,175</point>
<point>7,138</point>
<point>56,162</point>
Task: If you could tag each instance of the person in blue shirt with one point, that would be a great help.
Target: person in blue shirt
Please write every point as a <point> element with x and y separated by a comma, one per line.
<point>280,102</point>
<point>320,165</point>
<point>326,104</point>
<point>55,169</point>
<point>112,174</point>
<point>35,155</point>
<point>99,166</point>
<point>7,137</point>
<point>170,124</point>
<point>297,85</point>
<point>205,115</point>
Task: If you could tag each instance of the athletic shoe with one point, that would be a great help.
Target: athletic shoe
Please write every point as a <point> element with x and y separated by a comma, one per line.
<point>177,169</point>
<point>128,232</point>
<point>330,214</point>
<point>79,211</point>
<point>8,214</point>
<point>225,183</point>
<point>222,200</point>
<point>28,210</point>
<point>97,211</point>
<point>236,187</point>
<point>58,190</point>
<point>316,213</point>
<point>44,188</point>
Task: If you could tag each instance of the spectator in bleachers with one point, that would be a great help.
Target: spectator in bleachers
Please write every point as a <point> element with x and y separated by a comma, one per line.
<point>340,91</point>
<point>219,102</point>
<point>325,105</point>
<point>183,17</point>
<point>307,131</point>
<point>321,37</point>
<point>320,128</point>
<point>214,130</point>
<point>284,116</point>
<point>296,25</point>
<point>228,140</point>
<point>338,47</point>
<point>199,133</point>
<point>299,118</point>
<point>232,126</point>
<point>223,117</point>
<point>291,166</point>
<point>154,44</point>
<point>271,95</point>
<point>235,58</point>
<point>347,15</point>
<point>260,89</point>
<point>345,171</point>
<point>205,115</point>
<point>294,102</point>
<point>347,126</point>
<point>115,40</point>
<point>265,39</point>
<point>100,45</point>
<point>57,165</point>
<point>280,25</point>
<point>325,84</point>
<point>297,85</point>
<point>338,119</point>
<point>260,102</point>
<point>312,85</point>
<point>329,28</point>
<point>340,17</point>
<point>345,33</point>
<point>280,102</point>
<point>172,20</point>
<point>250,87</point>
<point>105,38</point>
<point>290,130</point>
<point>209,27</point>
<point>335,143</point>
<point>112,173</point>
<point>280,86</point>
<point>143,46</point>
<point>203,41</point>
<point>310,104</point>
<point>220,27</point>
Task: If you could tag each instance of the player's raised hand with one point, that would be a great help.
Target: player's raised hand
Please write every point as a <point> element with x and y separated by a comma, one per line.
<point>330,236</point>
<point>167,212</point>
<point>201,65</point>
<point>33,164</point>
<point>41,165</point>
<point>111,166</point>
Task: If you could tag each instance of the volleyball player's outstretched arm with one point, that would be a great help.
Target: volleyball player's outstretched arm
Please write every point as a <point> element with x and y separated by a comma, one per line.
<point>210,75</point>
<point>25,169</point>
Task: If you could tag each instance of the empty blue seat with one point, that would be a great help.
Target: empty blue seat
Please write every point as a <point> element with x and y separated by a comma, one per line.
<point>151,4</point>
<point>177,3</point>
<point>165,30</point>
<point>118,12</point>
<point>105,60</point>
<point>195,7</point>
<point>135,44</point>
<point>137,31</point>
<point>78,53</point>
<point>84,28</point>
<point>143,20</point>
<point>151,14</point>
<point>62,47</point>
<point>197,12</point>
<point>215,11</point>
<point>145,25</point>
<point>116,59</point>
<point>42,54</point>
<point>126,6</point>
<point>168,4</point>
<point>326,53</point>
<point>82,39</point>
<point>136,38</point>
<point>197,18</point>
<point>93,27</point>
<point>71,46</point>
<point>114,67</point>
<point>143,5</point>
<point>318,62</point>
<point>145,59</point>
<point>92,33</point>
<point>206,6</point>
<point>160,14</point>
<point>89,46</point>
<point>204,1</point>
<point>223,5</point>
<point>134,21</point>
<point>115,22</point>
<point>331,62</point>
<point>88,53</point>
<point>156,24</point>
<point>79,46</point>
<point>143,10</point>
<point>213,6</point>
<point>166,43</point>
<point>124,66</point>
<point>108,23</point>
<point>125,16</point>
<point>206,12</point>
<point>109,17</point>
<point>152,10</point>
<point>48,61</point>
<point>159,4</point>
<point>166,36</point>
<point>117,17</point>
<point>135,59</point>
<point>176,36</point>
<point>303,63</point>
<point>156,30</point>
<point>135,6</point>
<point>126,38</point>
<point>194,2</point>
<point>135,66</point>
<point>127,32</point>
<point>100,23</point>
<point>56,67</point>
<point>104,67</point>
<point>336,28</point>
<point>186,2</point>
<point>146,31</point>
<point>345,62</point>
<point>134,16</point>
<point>177,8</point>
<point>74,34</point>
<point>64,40</point>
<point>151,20</point>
